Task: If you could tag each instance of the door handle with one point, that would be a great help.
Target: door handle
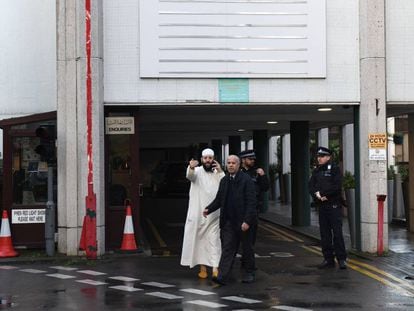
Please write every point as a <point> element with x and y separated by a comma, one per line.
<point>141,190</point>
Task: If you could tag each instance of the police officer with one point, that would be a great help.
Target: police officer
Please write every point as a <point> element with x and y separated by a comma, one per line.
<point>325,186</point>
<point>258,176</point>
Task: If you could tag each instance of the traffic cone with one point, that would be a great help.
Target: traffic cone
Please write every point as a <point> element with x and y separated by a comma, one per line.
<point>128,241</point>
<point>6,245</point>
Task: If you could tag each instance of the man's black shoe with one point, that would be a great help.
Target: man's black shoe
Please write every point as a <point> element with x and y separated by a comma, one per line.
<point>342,264</point>
<point>218,280</point>
<point>248,277</point>
<point>326,264</point>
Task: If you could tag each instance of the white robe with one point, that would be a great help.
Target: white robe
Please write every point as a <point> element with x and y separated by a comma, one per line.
<point>202,244</point>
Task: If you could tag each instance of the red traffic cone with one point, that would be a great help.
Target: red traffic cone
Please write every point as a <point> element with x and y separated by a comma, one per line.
<point>6,245</point>
<point>128,241</point>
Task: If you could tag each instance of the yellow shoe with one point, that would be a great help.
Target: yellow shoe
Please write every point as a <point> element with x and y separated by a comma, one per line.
<point>215,273</point>
<point>203,273</point>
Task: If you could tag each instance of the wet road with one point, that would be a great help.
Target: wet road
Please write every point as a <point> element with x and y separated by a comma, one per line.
<point>287,279</point>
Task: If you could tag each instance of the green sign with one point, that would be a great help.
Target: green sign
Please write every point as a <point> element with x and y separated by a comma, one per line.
<point>233,90</point>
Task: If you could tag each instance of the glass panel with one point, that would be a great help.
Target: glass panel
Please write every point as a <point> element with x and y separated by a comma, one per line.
<point>34,125</point>
<point>29,170</point>
<point>120,185</point>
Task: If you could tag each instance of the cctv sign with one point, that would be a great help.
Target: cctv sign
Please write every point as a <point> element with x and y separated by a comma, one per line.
<point>377,147</point>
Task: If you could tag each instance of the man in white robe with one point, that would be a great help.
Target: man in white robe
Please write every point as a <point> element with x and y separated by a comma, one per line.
<point>202,244</point>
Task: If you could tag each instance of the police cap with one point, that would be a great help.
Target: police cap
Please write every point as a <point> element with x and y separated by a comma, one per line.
<point>322,151</point>
<point>247,154</point>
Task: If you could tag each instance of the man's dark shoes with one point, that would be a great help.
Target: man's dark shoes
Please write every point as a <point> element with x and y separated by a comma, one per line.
<point>248,277</point>
<point>326,264</point>
<point>342,264</point>
<point>218,280</point>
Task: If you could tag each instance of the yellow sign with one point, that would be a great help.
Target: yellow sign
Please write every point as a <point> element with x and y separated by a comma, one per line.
<point>377,141</point>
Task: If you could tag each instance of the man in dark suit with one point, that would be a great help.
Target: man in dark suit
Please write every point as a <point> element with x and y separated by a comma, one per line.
<point>236,198</point>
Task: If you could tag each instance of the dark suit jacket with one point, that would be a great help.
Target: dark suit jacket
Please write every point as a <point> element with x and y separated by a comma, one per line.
<point>244,196</point>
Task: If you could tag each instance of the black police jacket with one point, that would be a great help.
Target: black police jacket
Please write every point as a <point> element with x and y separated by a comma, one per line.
<point>327,179</point>
<point>244,200</point>
<point>261,184</point>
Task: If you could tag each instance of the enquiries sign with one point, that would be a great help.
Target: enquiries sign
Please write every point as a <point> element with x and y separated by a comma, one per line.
<point>119,125</point>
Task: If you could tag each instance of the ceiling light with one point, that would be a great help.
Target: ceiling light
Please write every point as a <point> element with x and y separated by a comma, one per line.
<point>324,109</point>
<point>271,122</point>
<point>241,130</point>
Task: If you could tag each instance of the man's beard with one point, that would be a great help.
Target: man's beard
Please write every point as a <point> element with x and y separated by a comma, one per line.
<point>208,167</point>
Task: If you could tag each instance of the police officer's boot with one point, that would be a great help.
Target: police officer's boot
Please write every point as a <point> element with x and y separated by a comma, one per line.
<point>326,264</point>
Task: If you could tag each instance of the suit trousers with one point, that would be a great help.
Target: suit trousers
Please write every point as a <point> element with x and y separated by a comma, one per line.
<point>231,236</point>
<point>330,226</point>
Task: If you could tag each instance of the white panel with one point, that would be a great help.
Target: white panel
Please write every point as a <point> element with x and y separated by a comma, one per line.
<point>27,56</point>
<point>229,38</point>
<point>400,50</point>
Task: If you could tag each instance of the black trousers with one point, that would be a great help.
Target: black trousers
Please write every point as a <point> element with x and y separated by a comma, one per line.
<point>231,236</point>
<point>330,226</point>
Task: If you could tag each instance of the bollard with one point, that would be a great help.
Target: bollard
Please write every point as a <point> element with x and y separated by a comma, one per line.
<point>380,241</point>
<point>50,215</point>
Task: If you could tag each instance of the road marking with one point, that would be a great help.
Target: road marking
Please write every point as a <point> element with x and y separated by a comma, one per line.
<point>164,295</point>
<point>241,299</point>
<point>61,276</point>
<point>381,280</point>
<point>7,267</point>
<point>283,238</point>
<point>33,271</point>
<point>363,269</point>
<point>206,304</point>
<point>156,233</point>
<point>281,254</point>
<point>282,232</point>
<point>156,284</point>
<point>197,291</point>
<point>91,272</point>
<point>126,288</point>
<point>123,278</point>
<point>288,308</point>
<point>63,268</point>
<point>91,282</point>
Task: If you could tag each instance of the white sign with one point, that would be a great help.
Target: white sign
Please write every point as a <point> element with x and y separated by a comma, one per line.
<point>378,154</point>
<point>119,125</point>
<point>28,216</point>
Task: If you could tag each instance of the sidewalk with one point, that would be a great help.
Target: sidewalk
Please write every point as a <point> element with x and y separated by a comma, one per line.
<point>401,242</point>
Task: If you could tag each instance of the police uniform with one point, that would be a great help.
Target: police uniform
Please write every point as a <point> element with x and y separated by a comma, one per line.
<point>261,184</point>
<point>326,181</point>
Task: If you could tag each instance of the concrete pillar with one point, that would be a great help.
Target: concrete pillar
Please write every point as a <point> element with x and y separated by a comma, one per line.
<point>348,147</point>
<point>273,149</point>
<point>323,137</point>
<point>261,147</point>
<point>390,144</point>
<point>372,118</point>
<point>249,144</point>
<point>286,154</point>
<point>299,131</point>
<point>234,144</point>
<point>217,146</point>
<point>71,120</point>
<point>411,169</point>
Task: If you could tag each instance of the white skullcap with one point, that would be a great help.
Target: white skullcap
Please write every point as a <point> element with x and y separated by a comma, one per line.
<point>207,152</point>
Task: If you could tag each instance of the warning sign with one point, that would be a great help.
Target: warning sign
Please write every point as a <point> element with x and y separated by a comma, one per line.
<point>377,141</point>
<point>28,216</point>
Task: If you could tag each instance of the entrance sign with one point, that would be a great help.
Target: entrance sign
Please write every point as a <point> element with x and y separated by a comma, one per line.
<point>119,125</point>
<point>28,216</point>
<point>377,144</point>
